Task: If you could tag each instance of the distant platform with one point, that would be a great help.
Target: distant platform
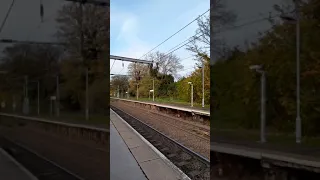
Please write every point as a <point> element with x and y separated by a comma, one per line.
<point>301,158</point>
<point>10,169</point>
<point>132,157</point>
<point>172,106</point>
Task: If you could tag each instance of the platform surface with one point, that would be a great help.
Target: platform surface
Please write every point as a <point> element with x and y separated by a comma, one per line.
<point>131,156</point>
<point>11,169</point>
<point>122,164</point>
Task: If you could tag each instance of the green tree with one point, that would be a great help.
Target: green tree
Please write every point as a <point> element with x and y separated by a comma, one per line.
<point>236,88</point>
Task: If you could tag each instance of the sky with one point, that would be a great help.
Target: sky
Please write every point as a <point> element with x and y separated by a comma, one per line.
<point>136,28</point>
<point>23,22</point>
<point>247,12</point>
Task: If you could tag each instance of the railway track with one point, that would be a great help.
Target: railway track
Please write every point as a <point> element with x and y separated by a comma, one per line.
<point>40,167</point>
<point>191,163</point>
<point>200,131</point>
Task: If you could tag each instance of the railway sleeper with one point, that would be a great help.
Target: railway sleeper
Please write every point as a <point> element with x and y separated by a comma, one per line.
<point>183,163</point>
<point>158,144</point>
<point>172,155</point>
<point>164,149</point>
<point>194,173</point>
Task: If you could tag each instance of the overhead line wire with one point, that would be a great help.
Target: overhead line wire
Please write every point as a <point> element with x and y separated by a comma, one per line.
<point>112,64</point>
<point>175,33</point>
<point>223,30</point>
<point>7,15</point>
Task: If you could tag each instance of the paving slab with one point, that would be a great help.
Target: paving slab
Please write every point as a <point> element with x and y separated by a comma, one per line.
<point>11,169</point>
<point>131,140</point>
<point>153,164</point>
<point>157,174</point>
<point>123,166</point>
<point>143,153</point>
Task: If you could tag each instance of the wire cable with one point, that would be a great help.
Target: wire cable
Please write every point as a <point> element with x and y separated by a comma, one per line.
<point>224,30</point>
<point>122,67</point>
<point>186,58</point>
<point>112,64</point>
<point>189,39</point>
<point>7,15</point>
<point>175,33</point>
<point>186,39</point>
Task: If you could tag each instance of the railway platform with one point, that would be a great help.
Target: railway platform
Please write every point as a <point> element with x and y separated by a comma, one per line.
<point>11,169</point>
<point>205,111</point>
<point>297,158</point>
<point>133,157</point>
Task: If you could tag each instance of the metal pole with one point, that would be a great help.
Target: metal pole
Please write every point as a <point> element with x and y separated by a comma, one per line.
<point>153,89</point>
<point>118,92</point>
<point>58,98</point>
<point>137,91</point>
<point>38,98</point>
<point>81,30</point>
<point>202,83</point>
<point>87,94</point>
<point>14,103</point>
<point>263,107</point>
<point>26,100</point>
<point>51,112</point>
<point>298,118</point>
<point>191,95</point>
<point>26,78</point>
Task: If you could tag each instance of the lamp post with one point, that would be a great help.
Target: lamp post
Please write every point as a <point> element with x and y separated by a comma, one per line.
<point>191,93</point>
<point>296,20</point>
<point>38,103</point>
<point>118,93</point>
<point>26,99</point>
<point>38,95</point>
<point>58,97</point>
<point>202,83</point>
<point>259,69</point>
<point>153,89</point>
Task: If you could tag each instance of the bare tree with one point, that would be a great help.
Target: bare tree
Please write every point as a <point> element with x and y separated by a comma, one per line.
<point>166,64</point>
<point>219,18</point>
<point>90,24</point>
<point>95,29</point>
<point>138,70</point>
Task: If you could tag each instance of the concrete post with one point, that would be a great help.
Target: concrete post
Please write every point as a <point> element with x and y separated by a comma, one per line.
<point>38,98</point>
<point>263,107</point>
<point>202,83</point>
<point>191,95</point>
<point>87,94</point>
<point>58,98</point>
<point>153,89</point>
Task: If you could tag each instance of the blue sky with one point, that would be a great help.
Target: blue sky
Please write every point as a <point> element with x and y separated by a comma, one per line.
<point>138,26</point>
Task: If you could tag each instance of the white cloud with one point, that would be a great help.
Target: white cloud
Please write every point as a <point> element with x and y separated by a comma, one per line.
<point>129,27</point>
<point>133,46</point>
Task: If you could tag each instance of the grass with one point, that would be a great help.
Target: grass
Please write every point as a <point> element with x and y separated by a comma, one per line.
<point>226,125</point>
<point>253,136</point>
